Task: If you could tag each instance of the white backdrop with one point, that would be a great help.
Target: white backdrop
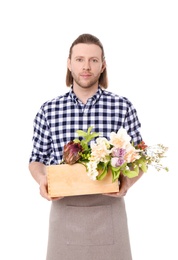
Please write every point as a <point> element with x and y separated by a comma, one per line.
<point>140,40</point>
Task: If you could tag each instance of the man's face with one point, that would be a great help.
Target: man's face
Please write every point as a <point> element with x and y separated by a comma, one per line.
<point>86,65</point>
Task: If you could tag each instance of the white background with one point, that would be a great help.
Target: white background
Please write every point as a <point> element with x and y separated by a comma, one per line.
<point>140,40</point>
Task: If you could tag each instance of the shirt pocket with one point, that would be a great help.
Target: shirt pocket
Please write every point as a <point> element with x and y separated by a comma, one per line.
<point>89,225</point>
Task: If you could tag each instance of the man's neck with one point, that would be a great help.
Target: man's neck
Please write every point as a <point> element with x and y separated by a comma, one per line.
<point>84,94</point>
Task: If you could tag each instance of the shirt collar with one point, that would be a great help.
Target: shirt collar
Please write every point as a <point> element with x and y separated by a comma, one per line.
<point>94,98</point>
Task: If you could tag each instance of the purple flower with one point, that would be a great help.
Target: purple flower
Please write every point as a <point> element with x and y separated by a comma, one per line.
<point>118,152</point>
<point>117,161</point>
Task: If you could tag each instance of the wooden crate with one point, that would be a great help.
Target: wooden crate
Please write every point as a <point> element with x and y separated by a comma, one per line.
<point>71,180</point>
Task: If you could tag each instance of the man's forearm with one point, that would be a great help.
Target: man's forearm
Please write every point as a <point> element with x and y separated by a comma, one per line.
<point>37,170</point>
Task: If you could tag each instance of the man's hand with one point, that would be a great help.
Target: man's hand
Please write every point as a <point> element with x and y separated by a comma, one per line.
<point>38,171</point>
<point>124,184</point>
<point>44,189</point>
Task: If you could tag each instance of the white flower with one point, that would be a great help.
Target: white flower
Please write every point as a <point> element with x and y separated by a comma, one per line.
<point>92,170</point>
<point>120,139</point>
<point>99,151</point>
<point>103,141</point>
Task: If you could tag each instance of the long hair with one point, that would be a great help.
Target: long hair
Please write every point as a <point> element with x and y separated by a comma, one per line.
<point>88,39</point>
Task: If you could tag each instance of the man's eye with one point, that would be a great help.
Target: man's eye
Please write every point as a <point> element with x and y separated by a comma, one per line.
<point>79,59</point>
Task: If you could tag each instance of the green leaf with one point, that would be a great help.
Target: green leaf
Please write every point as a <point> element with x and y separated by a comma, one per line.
<point>87,136</point>
<point>84,145</point>
<point>130,174</point>
<point>89,129</point>
<point>115,174</point>
<point>81,133</point>
<point>102,175</point>
<point>103,170</point>
<point>136,168</point>
<point>142,164</point>
<point>76,141</point>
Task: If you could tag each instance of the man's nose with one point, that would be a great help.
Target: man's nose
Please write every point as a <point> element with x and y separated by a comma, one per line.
<point>86,65</point>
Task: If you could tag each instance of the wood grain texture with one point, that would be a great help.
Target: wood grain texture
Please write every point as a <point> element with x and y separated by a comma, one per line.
<point>71,180</point>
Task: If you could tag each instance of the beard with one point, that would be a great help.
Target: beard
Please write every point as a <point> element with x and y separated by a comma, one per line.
<point>85,83</point>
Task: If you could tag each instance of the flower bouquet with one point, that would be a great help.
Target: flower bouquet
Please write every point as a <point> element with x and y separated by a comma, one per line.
<point>99,163</point>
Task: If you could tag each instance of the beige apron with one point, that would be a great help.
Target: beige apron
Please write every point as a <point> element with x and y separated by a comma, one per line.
<point>89,227</point>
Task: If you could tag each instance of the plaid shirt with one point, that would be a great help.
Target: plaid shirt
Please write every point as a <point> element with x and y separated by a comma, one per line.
<point>58,119</point>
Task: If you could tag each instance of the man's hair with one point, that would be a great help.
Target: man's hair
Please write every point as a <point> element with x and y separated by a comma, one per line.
<point>88,39</point>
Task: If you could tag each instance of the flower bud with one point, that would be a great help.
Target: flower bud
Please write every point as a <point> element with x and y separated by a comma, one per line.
<point>71,152</point>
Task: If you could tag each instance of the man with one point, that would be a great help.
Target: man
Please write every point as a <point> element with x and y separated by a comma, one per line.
<point>90,226</point>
